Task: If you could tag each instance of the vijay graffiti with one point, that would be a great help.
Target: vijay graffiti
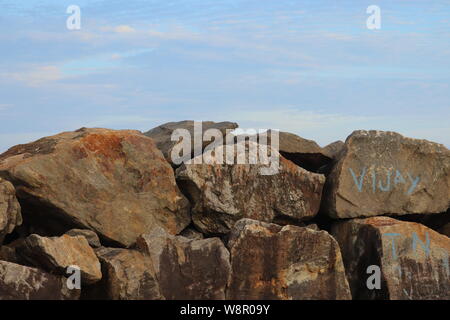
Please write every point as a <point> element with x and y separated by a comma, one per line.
<point>394,179</point>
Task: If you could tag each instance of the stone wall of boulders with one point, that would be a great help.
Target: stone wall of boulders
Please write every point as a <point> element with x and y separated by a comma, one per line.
<point>137,226</point>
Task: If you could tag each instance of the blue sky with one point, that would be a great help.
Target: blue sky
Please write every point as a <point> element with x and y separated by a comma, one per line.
<point>308,67</point>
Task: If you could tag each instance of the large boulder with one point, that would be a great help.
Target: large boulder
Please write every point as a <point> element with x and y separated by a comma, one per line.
<point>289,263</point>
<point>163,135</point>
<point>413,259</point>
<point>10,216</point>
<point>24,283</point>
<point>385,173</point>
<point>116,183</point>
<point>188,269</point>
<point>127,275</point>
<point>333,149</point>
<point>224,193</point>
<point>56,254</point>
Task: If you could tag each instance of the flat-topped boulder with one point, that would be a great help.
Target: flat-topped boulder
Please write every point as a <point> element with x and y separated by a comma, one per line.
<point>413,259</point>
<point>116,183</point>
<point>272,262</point>
<point>385,173</point>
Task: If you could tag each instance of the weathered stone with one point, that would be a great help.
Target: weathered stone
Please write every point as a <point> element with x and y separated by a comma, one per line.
<point>222,193</point>
<point>191,233</point>
<point>24,283</point>
<point>290,263</point>
<point>56,254</point>
<point>187,269</point>
<point>10,216</point>
<point>90,236</point>
<point>413,259</point>
<point>385,173</point>
<point>127,275</point>
<point>8,253</point>
<point>163,135</point>
<point>333,150</point>
<point>116,183</point>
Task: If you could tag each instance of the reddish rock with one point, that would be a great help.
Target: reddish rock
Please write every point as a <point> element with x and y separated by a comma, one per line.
<point>116,183</point>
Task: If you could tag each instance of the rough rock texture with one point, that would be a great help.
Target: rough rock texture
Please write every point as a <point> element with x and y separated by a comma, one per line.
<point>191,233</point>
<point>23,283</point>
<point>163,134</point>
<point>8,253</point>
<point>10,216</point>
<point>188,269</point>
<point>385,173</point>
<point>414,260</point>
<point>90,236</point>
<point>56,254</point>
<point>303,152</point>
<point>223,194</point>
<point>273,262</point>
<point>127,275</point>
<point>116,183</point>
<point>333,149</point>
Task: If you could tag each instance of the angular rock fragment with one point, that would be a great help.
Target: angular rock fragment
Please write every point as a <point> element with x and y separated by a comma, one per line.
<point>163,135</point>
<point>90,236</point>
<point>287,263</point>
<point>413,259</point>
<point>10,216</point>
<point>385,173</point>
<point>56,254</point>
<point>116,183</point>
<point>188,269</point>
<point>333,150</point>
<point>191,233</point>
<point>127,275</point>
<point>24,283</point>
<point>224,193</point>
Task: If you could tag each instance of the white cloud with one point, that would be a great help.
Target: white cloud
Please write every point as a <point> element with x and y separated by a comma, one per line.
<point>4,106</point>
<point>35,76</point>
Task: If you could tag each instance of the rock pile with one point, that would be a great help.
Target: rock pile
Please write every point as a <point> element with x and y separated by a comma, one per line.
<point>107,214</point>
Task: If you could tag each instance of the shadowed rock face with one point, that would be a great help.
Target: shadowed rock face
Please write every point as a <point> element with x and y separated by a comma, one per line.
<point>23,283</point>
<point>413,259</point>
<point>273,262</point>
<point>163,133</point>
<point>116,183</point>
<point>223,194</point>
<point>188,269</point>
<point>385,173</point>
<point>127,275</point>
<point>56,254</point>
<point>10,216</point>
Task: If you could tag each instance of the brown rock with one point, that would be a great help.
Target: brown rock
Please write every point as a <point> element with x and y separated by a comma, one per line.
<point>223,194</point>
<point>56,254</point>
<point>116,183</point>
<point>90,236</point>
<point>412,267</point>
<point>23,283</point>
<point>10,216</point>
<point>385,173</point>
<point>128,275</point>
<point>333,150</point>
<point>288,263</point>
<point>163,134</point>
<point>188,269</point>
<point>191,233</point>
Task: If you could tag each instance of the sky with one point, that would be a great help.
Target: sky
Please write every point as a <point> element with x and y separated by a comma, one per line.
<point>308,67</point>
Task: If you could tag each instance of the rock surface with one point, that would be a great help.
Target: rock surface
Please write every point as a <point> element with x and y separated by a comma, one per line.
<point>90,236</point>
<point>273,262</point>
<point>333,149</point>
<point>163,135</point>
<point>414,260</point>
<point>127,275</point>
<point>56,254</point>
<point>188,269</point>
<point>23,283</point>
<point>223,194</point>
<point>116,183</point>
<point>10,216</point>
<point>385,173</point>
